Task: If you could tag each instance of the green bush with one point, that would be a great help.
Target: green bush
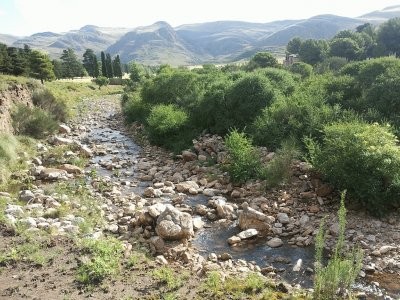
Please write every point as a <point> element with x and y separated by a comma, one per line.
<point>48,102</point>
<point>280,79</point>
<point>101,81</point>
<point>305,70</point>
<point>278,170</point>
<point>8,154</point>
<point>167,126</point>
<point>243,160</point>
<point>332,64</point>
<point>134,109</point>
<point>34,122</point>
<point>373,68</point>
<point>362,158</point>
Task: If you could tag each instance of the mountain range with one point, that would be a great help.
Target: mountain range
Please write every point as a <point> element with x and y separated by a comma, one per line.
<point>211,42</point>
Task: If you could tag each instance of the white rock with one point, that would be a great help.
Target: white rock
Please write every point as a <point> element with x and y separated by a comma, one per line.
<point>283,218</point>
<point>298,265</point>
<point>26,195</point>
<point>249,233</point>
<point>275,242</point>
<point>386,249</point>
<point>64,129</point>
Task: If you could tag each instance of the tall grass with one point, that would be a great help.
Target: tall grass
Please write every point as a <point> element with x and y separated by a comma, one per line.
<point>335,279</point>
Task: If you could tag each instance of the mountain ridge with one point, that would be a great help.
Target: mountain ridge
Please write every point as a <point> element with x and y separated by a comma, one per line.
<point>208,42</point>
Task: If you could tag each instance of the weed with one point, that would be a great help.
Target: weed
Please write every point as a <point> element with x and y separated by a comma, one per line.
<point>103,260</point>
<point>336,278</point>
<point>167,276</point>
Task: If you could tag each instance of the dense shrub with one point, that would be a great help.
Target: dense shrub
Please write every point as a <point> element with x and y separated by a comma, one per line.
<point>179,87</point>
<point>301,68</point>
<point>134,108</point>
<point>332,64</point>
<point>34,122</point>
<point>303,114</point>
<point>167,126</point>
<point>48,102</point>
<point>371,69</point>
<point>243,160</point>
<point>280,79</point>
<point>362,158</point>
<point>342,90</point>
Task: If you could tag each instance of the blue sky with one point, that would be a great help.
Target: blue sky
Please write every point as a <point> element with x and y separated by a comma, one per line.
<point>24,17</point>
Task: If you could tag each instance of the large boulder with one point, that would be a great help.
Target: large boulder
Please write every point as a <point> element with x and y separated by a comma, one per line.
<point>251,218</point>
<point>173,224</point>
<point>185,186</point>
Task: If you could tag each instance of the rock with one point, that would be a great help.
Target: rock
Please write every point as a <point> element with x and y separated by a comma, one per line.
<point>202,157</point>
<point>235,194</point>
<point>225,256</point>
<point>56,140</point>
<point>71,169</point>
<point>283,218</point>
<point>198,223</point>
<point>64,129</point>
<point>201,209</point>
<point>143,165</point>
<point>161,260</point>
<point>189,156</point>
<point>184,187</point>
<point>26,196</point>
<point>85,151</point>
<point>14,210</point>
<point>150,192</point>
<point>386,249</point>
<point>158,243</point>
<point>234,240</point>
<point>209,192</point>
<point>250,218</point>
<point>298,265</point>
<point>193,191</point>
<point>304,220</point>
<point>313,209</point>
<point>334,229</point>
<point>52,174</point>
<point>324,190</point>
<point>275,243</point>
<point>247,234</point>
<point>174,225</point>
<point>156,209</point>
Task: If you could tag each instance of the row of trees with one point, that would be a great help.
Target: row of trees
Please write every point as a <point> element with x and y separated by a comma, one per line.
<point>365,42</point>
<point>33,63</point>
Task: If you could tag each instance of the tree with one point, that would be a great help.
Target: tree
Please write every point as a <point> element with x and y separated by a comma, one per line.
<point>41,66</point>
<point>136,72</point>
<point>103,64</point>
<point>19,65</point>
<point>96,67</point>
<point>313,51</point>
<point>345,47</point>
<point>102,81</point>
<point>389,36</point>
<point>89,62</point>
<point>109,66</point>
<point>5,60</point>
<point>262,60</point>
<point>305,70</point>
<point>58,68</point>
<point>71,65</point>
<point>293,47</point>
<point>117,67</point>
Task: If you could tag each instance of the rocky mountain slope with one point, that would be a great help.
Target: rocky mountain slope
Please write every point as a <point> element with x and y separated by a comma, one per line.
<point>215,42</point>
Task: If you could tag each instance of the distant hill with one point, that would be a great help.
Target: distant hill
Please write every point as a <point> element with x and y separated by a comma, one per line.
<point>213,42</point>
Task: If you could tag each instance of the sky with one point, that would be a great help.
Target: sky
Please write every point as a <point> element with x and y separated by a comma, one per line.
<point>25,17</point>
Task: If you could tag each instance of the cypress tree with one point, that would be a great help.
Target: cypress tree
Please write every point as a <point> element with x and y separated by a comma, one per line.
<point>96,67</point>
<point>103,65</point>
<point>117,67</point>
<point>109,66</point>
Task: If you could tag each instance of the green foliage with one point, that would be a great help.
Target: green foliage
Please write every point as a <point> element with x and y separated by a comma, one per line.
<point>34,122</point>
<point>305,70</point>
<point>101,81</point>
<point>345,47</point>
<point>294,45</point>
<point>313,51</point>
<point>46,100</point>
<point>362,158</point>
<point>341,271</point>
<point>169,277</point>
<point>90,62</point>
<point>71,66</point>
<point>8,154</point>
<point>303,114</point>
<point>103,260</point>
<point>389,36</point>
<point>332,64</point>
<point>243,160</point>
<point>41,67</point>
<point>167,126</point>
<point>371,69</point>
<point>278,170</point>
<point>262,60</point>
<point>134,108</point>
<point>281,80</point>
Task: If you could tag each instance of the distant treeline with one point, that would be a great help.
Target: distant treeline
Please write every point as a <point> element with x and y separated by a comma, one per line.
<point>32,63</point>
